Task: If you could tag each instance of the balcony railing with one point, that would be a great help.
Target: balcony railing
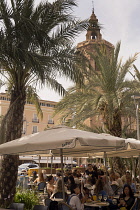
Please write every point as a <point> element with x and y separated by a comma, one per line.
<point>34,132</point>
<point>50,122</point>
<point>35,120</point>
<point>24,131</point>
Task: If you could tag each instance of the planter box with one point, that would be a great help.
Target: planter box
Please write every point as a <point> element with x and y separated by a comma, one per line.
<point>80,169</point>
<point>48,171</point>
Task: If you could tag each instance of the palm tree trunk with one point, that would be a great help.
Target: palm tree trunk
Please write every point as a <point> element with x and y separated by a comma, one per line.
<point>115,126</point>
<point>11,129</point>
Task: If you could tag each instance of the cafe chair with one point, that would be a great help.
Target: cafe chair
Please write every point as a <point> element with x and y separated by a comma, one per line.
<point>115,188</point>
<point>17,206</point>
<point>40,207</point>
<point>47,202</point>
<point>60,195</point>
<point>134,205</point>
<point>41,186</point>
<point>64,206</point>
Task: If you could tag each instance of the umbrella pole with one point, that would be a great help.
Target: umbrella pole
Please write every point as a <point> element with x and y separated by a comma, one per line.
<point>105,161</point>
<point>62,171</point>
<point>51,163</point>
<point>39,171</point>
<point>139,167</point>
<point>133,168</point>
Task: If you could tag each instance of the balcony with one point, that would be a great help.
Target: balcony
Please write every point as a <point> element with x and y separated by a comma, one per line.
<point>34,132</point>
<point>24,131</point>
<point>50,122</point>
<point>35,120</point>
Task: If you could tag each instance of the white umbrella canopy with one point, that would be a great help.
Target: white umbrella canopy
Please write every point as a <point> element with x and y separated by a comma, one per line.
<point>72,141</point>
<point>132,149</point>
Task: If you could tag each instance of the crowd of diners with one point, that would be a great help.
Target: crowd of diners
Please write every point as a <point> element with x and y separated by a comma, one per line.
<point>84,187</point>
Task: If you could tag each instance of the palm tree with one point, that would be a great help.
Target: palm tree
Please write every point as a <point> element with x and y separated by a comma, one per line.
<point>106,93</point>
<point>36,46</point>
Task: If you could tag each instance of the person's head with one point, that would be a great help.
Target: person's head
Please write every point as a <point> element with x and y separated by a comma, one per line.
<point>117,176</point>
<point>112,176</point>
<point>44,171</point>
<point>129,180</point>
<point>74,174</point>
<point>89,180</point>
<point>105,179</point>
<point>95,168</point>
<point>58,174</point>
<point>71,180</point>
<point>128,173</point>
<point>127,191</point>
<point>75,189</point>
<point>34,173</point>
<point>23,172</point>
<point>90,166</point>
<point>41,177</point>
<point>50,179</point>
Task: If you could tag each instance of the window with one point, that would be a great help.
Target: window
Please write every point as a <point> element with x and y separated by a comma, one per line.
<point>35,118</point>
<point>50,120</point>
<point>35,129</point>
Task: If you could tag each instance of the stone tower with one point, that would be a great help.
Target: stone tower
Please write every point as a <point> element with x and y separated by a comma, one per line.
<point>93,38</point>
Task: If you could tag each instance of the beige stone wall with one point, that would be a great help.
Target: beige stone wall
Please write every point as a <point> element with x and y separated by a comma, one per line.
<point>31,122</point>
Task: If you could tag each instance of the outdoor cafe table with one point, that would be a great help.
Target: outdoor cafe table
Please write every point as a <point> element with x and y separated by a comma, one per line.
<point>97,204</point>
<point>57,199</point>
<point>5,209</point>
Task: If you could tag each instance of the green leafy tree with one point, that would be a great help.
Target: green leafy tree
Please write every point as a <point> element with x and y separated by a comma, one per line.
<point>36,46</point>
<point>106,93</point>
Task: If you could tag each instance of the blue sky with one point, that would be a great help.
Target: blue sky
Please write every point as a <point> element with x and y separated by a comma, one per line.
<point>120,20</point>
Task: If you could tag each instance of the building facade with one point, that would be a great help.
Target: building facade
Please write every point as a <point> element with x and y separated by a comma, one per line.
<point>32,123</point>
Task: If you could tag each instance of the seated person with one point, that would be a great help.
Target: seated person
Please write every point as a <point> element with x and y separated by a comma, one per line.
<point>58,191</point>
<point>76,179</point>
<point>34,177</point>
<point>129,182</point>
<point>58,176</point>
<point>99,188</point>
<point>71,182</point>
<point>123,178</point>
<point>44,175</point>
<point>89,182</point>
<point>118,179</point>
<point>90,172</point>
<point>74,200</point>
<point>50,185</point>
<point>106,186</point>
<point>39,179</point>
<point>127,198</point>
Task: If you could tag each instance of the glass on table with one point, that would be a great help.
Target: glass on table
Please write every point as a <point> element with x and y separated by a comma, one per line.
<point>94,197</point>
<point>100,197</point>
<point>105,198</point>
<point>114,201</point>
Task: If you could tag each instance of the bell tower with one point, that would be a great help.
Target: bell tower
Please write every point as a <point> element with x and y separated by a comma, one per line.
<point>93,39</point>
<point>93,32</point>
<point>88,47</point>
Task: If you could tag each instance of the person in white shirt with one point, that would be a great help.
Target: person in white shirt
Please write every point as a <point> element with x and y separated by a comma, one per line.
<point>74,200</point>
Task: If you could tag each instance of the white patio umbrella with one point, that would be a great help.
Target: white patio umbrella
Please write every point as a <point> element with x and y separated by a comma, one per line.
<point>72,141</point>
<point>132,149</point>
<point>63,140</point>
